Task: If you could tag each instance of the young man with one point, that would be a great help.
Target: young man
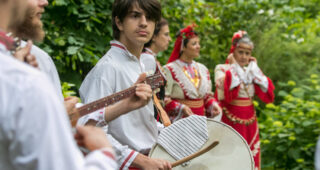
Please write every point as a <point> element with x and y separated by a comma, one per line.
<point>35,133</point>
<point>32,29</point>
<point>133,134</point>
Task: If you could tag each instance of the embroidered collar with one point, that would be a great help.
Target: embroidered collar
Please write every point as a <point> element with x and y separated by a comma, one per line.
<point>149,51</point>
<point>7,41</point>
<point>117,44</point>
<point>183,63</point>
<point>190,91</point>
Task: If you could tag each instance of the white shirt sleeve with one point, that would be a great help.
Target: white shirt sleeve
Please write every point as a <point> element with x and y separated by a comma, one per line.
<point>47,66</point>
<point>98,116</point>
<point>94,88</point>
<point>40,133</point>
<point>258,77</point>
<point>124,154</point>
<point>236,73</point>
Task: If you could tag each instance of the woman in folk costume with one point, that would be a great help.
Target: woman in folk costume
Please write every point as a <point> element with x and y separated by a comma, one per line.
<point>237,82</point>
<point>159,42</point>
<point>188,89</point>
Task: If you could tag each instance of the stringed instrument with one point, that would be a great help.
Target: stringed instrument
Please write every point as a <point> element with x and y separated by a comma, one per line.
<point>155,81</point>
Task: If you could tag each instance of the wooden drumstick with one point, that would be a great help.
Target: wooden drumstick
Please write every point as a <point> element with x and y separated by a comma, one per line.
<point>194,155</point>
<point>163,114</point>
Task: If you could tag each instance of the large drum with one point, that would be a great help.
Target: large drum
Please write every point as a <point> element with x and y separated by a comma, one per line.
<point>231,153</point>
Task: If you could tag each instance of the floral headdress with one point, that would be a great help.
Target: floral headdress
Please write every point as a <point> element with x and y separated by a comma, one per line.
<point>237,36</point>
<point>186,33</point>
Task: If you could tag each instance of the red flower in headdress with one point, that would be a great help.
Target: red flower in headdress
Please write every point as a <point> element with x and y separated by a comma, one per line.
<point>235,39</point>
<point>185,33</point>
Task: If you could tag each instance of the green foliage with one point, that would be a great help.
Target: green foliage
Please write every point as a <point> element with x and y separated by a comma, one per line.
<point>291,58</point>
<point>77,35</point>
<point>289,130</point>
<point>285,33</point>
<point>67,89</point>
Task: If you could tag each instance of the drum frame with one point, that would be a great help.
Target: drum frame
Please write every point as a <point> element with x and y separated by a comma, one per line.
<point>208,143</point>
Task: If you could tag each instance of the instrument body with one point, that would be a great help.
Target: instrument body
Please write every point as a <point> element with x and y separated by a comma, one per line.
<point>231,153</point>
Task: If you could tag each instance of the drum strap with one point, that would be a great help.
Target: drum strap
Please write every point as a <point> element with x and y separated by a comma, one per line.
<point>163,114</point>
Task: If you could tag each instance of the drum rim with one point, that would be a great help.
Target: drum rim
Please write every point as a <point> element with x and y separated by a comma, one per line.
<point>248,147</point>
<point>229,127</point>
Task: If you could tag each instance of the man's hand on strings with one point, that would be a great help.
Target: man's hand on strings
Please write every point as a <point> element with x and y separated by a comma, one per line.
<point>142,95</point>
<point>70,104</point>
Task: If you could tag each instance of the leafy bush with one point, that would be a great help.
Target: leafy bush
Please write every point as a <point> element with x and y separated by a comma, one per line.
<point>78,32</point>
<point>284,58</point>
<point>77,35</point>
<point>289,130</point>
<point>67,89</point>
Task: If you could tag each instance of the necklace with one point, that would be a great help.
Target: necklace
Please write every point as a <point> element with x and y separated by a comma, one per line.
<point>193,75</point>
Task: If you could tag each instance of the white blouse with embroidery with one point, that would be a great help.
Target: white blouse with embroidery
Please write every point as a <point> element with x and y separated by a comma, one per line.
<point>245,77</point>
<point>184,84</point>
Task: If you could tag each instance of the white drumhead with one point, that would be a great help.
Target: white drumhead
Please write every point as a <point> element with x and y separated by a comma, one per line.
<point>231,153</point>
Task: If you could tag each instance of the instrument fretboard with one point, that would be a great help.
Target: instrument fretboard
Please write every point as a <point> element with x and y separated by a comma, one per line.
<point>103,102</point>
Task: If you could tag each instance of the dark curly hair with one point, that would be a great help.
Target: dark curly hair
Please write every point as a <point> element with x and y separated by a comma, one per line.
<point>121,8</point>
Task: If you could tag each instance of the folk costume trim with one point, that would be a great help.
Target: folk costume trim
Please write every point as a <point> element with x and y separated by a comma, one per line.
<point>235,119</point>
<point>149,51</point>
<point>254,137</point>
<point>196,81</point>
<point>109,154</point>
<point>192,103</point>
<point>117,44</point>
<point>7,41</point>
<point>189,89</point>
<point>127,159</point>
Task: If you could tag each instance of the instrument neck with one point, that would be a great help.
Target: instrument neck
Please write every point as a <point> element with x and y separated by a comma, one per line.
<point>103,102</point>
